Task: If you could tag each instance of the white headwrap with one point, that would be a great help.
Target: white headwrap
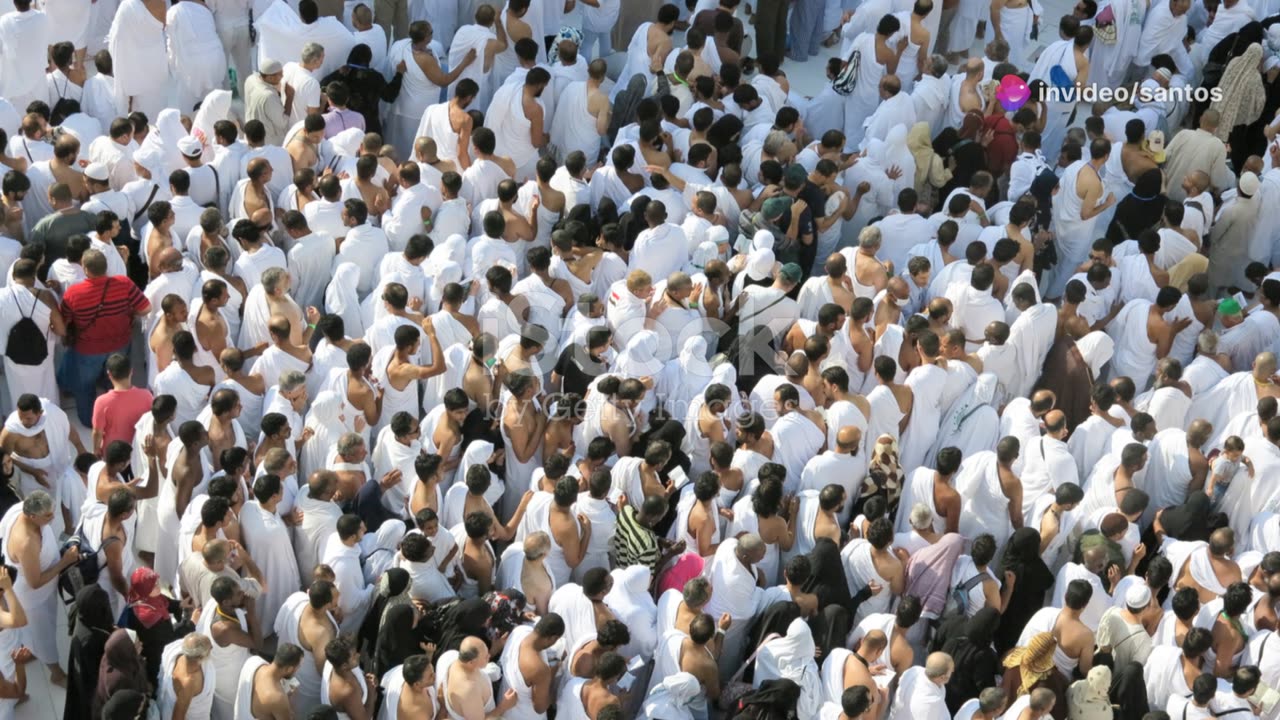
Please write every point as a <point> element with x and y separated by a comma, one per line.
<point>215,106</point>
<point>707,251</point>
<point>477,453</point>
<point>453,249</point>
<point>671,699</point>
<point>164,137</point>
<point>637,359</point>
<point>340,298</point>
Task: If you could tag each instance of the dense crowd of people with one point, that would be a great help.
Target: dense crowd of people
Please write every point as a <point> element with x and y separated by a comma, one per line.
<point>431,359</point>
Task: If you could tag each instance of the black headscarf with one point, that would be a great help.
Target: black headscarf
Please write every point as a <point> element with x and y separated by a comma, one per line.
<point>1141,209</point>
<point>463,619</point>
<point>773,700</point>
<point>397,639</point>
<point>774,620</point>
<point>93,625</point>
<point>125,705</point>
<point>1042,188</point>
<point>826,575</point>
<point>1022,558</point>
<point>1191,520</point>
<point>975,658</point>
<point>396,584</point>
<point>1128,692</point>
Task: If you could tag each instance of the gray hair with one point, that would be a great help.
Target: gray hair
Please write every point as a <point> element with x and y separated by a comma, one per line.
<point>312,52</point>
<point>679,281</point>
<point>921,516</point>
<point>291,380</point>
<point>196,646</point>
<point>750,543</point>
<point>774,141</point>
<point>272,278</point>
<point>990,699</point>
<point>586,300</point>
<point>869,238</point>
<point>37,502</point>
<point>349,442</point>
<point>275,460</point>
<point>697,592</point>
<point>937,66</point>
<point>1207,342</point>
<point>537,545</point>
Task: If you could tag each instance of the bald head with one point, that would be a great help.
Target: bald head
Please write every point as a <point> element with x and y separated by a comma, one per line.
<point>261,217</point>
<point>1222,542</point>
<point>997,333</point>
<point>473,652</point>
<point>1198,433</point>
<point>848,438</point>
<point>1199,179</point>
<point>1095,559</point>
<point>256,167</point>
<point>898,287</point>
<point>1042,401</point>
<point>169,259</point>
<point>797,365</point>
<point>751,547</point>
<point>1264,365</point>
<point>1253,164</point>
<point>425,148</point>
<point>1055,421</point>
<point>938,667</point>
<point>973,67</point>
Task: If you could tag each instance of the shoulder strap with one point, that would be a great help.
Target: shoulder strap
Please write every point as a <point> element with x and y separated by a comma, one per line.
<point>217,186</point>
<point>972,582</point>
<point>35,298</point>
<point>143,210</point>
<point>760,312</point>
<point>737,676</point>
<point>1263,649</point>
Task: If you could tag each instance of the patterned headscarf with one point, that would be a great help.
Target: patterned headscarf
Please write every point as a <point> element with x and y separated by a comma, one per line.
<point>885,472</point>
<point>1034,662</point>
<point>572,34</point>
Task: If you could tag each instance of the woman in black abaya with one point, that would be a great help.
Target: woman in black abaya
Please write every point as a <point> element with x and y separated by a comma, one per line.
<point>975,658</point>
<point>1142,208</point>
<point>1032,579</point>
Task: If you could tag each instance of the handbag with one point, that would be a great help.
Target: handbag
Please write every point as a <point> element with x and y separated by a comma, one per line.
<point>734,690</point>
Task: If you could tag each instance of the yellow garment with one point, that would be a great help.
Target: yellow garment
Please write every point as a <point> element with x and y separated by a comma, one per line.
<point>930,169</point>
<point>1034,662</point>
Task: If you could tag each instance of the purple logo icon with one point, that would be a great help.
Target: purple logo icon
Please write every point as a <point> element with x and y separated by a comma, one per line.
<point>1012,93</point>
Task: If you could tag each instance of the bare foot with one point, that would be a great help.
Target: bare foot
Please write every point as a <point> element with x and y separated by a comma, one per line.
<point>57,677</point>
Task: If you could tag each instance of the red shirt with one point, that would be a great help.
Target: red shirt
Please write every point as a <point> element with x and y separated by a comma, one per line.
<point>1003,148</point>
<point>102,311</point>
<point>116,412</point>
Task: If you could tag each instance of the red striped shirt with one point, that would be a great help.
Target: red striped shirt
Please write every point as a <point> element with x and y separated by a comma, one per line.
<point>102,311</point>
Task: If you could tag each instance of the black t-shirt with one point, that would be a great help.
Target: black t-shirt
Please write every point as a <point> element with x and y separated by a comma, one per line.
<point>578,367</point>
<point>815,198</point>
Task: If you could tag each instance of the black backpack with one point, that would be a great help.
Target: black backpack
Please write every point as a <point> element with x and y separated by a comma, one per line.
<point>27,343</point>
<point>85,571</point>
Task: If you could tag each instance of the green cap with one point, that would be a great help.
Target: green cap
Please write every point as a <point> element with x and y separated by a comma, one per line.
<point>796,174</point>
<point>1229,306</point>
<point>775,206</point>
<point>791,272</point>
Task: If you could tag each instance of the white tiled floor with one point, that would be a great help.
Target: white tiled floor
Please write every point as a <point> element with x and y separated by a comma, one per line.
<point>807,79</point>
